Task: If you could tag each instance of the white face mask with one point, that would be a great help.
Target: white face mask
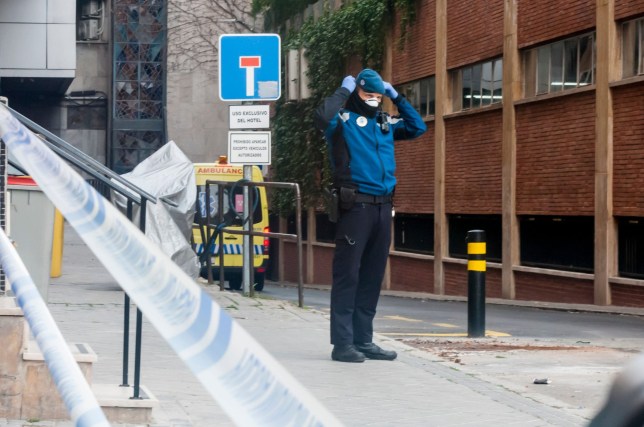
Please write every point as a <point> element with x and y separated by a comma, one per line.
<point>372,102</point>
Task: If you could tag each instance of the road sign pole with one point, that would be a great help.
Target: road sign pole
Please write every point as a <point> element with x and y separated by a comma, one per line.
<point>249,70</point>
<point>248,241</point>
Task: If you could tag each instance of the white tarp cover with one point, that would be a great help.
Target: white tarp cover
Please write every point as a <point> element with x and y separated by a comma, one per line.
<point>168,175</point>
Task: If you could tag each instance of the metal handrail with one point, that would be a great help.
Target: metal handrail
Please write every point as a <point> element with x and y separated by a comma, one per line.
<point>286,236</point>
<point>77,156</point>
<point>132,193</point>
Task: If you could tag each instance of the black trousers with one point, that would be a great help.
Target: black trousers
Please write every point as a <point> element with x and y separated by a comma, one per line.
<point>362,239</point>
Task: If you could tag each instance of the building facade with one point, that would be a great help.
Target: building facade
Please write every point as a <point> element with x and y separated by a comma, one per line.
<point>534,135</point>
<point>119,78</point>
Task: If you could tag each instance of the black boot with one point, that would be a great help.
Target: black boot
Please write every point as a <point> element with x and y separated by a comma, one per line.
<point>346,353</point>
<point>372,351</point>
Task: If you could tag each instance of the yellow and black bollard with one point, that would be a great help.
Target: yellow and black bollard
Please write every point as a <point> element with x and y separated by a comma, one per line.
<point>475,283</point>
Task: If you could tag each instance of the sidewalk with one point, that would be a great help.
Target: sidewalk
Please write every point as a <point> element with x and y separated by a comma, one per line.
<point>418,389</point>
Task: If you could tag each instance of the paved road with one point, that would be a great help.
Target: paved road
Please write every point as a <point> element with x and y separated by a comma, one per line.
<point>410,317</point>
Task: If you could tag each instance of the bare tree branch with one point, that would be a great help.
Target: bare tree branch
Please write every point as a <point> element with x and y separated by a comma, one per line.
<point>195,28</point>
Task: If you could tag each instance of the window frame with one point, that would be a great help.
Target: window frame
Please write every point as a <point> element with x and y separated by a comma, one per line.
<point>547,67</point>
<point>460,224</point>
<point>564,243</point>
<point>633,48</point>
<point>630,247</point>
<point>413,91</point>
<point>400,233</point>
<point>475,75</point>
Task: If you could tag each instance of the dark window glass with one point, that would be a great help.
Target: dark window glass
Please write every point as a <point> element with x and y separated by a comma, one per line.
<point>630,47</point>
<point>466,78</point>
<point>586,62</point>
<point>497,84</point>
<point>233,205</point>
<point>640,50</point>
<point>561,243</point>
<point>291,225</point>
<point>459,225</point>
<point>424,97</point>
<point>414,233</point>
<point>432,96</point>
<point>630,235</point>
<point>477,72</point>
<point>543,69</point>
<point>420,94</point>
<point>486,84</point>
<point>556,67</point>
<point>324,229</point>
<point>570,64</point>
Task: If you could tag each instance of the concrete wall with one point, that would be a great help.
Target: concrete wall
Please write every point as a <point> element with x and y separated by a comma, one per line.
<point>37,38</point>
<point>197,120</point>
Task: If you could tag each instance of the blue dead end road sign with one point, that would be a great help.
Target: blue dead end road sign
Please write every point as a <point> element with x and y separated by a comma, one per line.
<point>249,67</point>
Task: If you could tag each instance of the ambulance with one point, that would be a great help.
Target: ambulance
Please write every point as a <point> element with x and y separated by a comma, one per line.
<point>233,208</point>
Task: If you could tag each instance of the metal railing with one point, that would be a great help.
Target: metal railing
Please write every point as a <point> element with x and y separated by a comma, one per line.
<point>104,180</point>
<point>220,228</point>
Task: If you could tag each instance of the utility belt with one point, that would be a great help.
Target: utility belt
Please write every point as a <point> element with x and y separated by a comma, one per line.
<point>373,200</point>
<point>343,199</point>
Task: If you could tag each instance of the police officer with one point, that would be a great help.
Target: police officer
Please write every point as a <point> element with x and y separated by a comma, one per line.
<point>360,138</point>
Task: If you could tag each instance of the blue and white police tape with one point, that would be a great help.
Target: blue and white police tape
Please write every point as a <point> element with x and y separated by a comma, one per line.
<point>70,382</point>
<point>249,384</point>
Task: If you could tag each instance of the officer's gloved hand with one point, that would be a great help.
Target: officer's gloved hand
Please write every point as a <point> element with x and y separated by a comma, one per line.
<point>349,83</point>
<point>390,91</point>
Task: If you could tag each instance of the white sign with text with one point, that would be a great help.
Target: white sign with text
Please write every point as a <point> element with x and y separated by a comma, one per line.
<point>249,148</point>
<point>249,117</point>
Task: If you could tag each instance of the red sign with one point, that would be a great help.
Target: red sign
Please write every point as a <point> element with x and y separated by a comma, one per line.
<point>249,61</point>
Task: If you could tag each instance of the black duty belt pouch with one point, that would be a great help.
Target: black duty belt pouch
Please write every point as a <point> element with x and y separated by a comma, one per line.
<point>333,204</point>
<point>347,198</point>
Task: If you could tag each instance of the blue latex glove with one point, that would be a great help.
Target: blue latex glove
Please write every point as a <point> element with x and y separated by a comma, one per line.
<point>390,91</point>
<point>349,83</point>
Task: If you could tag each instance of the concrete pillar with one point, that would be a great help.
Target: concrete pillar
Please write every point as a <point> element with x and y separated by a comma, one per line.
<point>607,69</point>
<point>511,92</point>
<point>442,101</point>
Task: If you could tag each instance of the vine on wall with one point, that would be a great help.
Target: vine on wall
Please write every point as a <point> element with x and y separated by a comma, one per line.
<point>355,32</point>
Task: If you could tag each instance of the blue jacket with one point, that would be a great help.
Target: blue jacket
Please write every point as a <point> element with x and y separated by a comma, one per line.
<point>361,154</point>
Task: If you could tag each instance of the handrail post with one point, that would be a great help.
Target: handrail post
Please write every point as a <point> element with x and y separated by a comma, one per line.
<point>251,238</point>
<point>298,218</point>
<point>206,243</point>
<point>139,321</point>
<point>220,219</point>
<point>126,321</point>
<point>137,355</point>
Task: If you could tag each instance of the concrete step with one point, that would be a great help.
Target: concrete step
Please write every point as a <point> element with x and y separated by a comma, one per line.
<point>13,330</point>
<point>27,390</point>
<point>119,406</point>
<point>40,398</point>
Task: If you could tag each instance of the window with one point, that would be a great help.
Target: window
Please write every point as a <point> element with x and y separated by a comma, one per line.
<point>233,205</point>
<point>421,94</point>
<point>138,46</point>
<point>324,229</point>
<point>559,66</point>
<point>459,225</point>
<point>291,225</point>
<point>633,49</point>
<point>630,235</point>
<point>477,85</point>
<point>414,233</point>
<point>560,243</point>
